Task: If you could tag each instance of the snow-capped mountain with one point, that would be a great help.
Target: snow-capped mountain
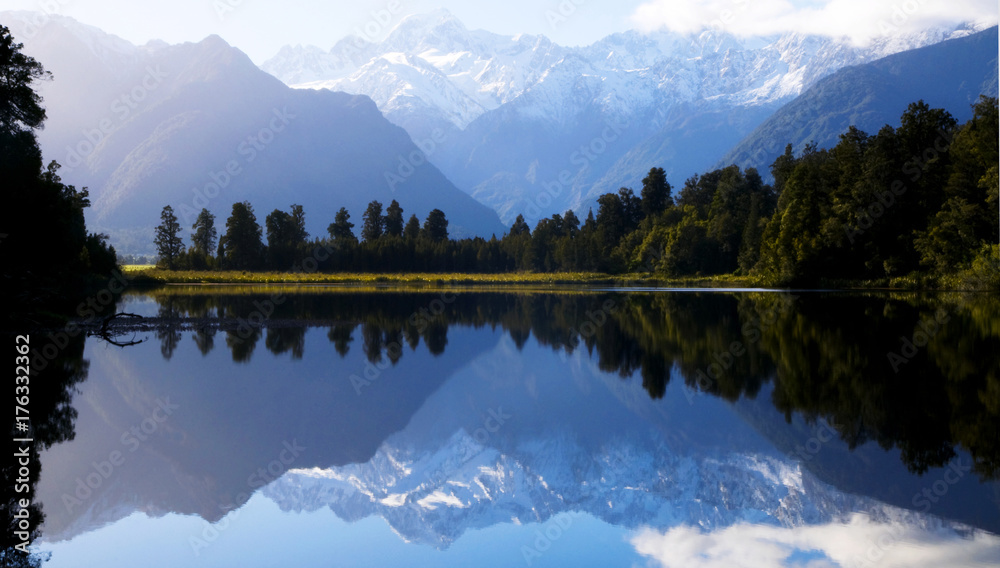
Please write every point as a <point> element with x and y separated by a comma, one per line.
<point>489,94</point>
<point>430,63</point>
<point>435,497</point>
<point>459,73</point>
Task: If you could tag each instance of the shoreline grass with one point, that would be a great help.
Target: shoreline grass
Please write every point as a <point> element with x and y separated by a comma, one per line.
<point>145,276</point>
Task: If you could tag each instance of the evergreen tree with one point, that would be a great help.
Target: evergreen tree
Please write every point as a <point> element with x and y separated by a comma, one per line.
<point>520,227</point>
<point>168,241</point>
<point>655,193</point>
<point>374,223</point>
<point>631,208</point>
<point>341,229</point>
<point>204,237</point>
<point>436,226</point>
<point>571,224</point>
<point>394,219</point>
<point>412,230</point>
<point>241,247</point>
<point>286,236</point>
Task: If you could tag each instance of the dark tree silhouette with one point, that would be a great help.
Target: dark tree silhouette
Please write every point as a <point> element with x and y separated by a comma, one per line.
<point>373,222</point>
<point>394,219</point>
<point>436,226</point>
<point>412,230</point>
<point>204,237</point>
<point>341,230</point>
<point>169,245</point>
<point>241,247</point>
<point>655,193</point>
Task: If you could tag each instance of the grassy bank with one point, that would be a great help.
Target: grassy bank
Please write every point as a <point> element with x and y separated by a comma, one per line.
<point>145,276</point>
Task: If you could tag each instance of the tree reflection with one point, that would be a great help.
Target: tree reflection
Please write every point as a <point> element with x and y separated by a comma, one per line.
<point>834,357</point>
<point>341,335</point>
<point>52,384</point>
<point>286,339</point>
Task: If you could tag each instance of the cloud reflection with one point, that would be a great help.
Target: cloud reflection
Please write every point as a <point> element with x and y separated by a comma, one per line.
<point>858,542</point>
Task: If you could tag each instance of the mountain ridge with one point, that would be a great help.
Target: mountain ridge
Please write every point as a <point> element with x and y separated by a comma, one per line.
<point>199,125</point>
<point>560,97</point>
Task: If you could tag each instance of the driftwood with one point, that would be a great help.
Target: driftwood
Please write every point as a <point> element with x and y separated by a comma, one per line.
<point>106,335</point>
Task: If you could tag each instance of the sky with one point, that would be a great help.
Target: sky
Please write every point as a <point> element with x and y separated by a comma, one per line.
<point>261,27</point>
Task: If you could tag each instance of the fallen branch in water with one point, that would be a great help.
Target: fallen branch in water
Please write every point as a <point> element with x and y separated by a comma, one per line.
<point>104,334</point>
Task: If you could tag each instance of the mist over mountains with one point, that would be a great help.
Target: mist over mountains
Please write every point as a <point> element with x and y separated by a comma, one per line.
<point>199,125</point>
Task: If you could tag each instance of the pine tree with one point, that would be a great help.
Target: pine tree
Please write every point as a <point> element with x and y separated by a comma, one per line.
<point>412,230</point>
<point>655,193</point>
<point>341,229</point>
<point>394,220</point>
<point>373,222</point>
<point>286,235</point>
<point>168,242</point>
<point>204,237</point>
<point>241,247</point>
<point>436,226</point>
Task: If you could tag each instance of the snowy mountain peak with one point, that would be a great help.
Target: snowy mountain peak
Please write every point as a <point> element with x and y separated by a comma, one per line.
<point>434,497</point>
<point>450,75</point>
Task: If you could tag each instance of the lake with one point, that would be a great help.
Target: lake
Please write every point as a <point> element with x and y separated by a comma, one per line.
<point>339,426</point>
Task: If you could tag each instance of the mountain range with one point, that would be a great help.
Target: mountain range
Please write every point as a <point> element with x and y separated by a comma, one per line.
<point>199,125</point>
<point>483,126</point>
<point>534,128</point>
<point>950,75</point>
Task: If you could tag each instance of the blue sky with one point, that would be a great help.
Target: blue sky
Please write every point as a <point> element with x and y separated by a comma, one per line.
<point>261,27</point>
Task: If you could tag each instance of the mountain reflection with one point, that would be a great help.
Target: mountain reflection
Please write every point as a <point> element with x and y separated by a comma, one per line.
<point>909,372</point>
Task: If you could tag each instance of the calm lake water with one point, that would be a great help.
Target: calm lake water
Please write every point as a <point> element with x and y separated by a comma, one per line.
<point>345,427</point>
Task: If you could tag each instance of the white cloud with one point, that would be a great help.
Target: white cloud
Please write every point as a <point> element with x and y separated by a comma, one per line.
<point>859,542</point>
<point>860,20</point>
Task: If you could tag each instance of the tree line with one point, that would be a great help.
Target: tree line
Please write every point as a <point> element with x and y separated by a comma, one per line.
<point>917,199</point>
